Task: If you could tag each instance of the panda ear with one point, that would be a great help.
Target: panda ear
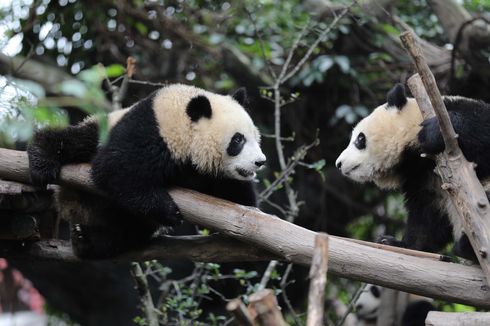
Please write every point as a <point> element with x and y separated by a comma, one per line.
<point>240,95</point>
<point>199,107</point>
<point>396,97</point>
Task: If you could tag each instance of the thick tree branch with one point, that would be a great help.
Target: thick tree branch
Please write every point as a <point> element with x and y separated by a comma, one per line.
<point>213,248</point>
<point>427,277</point>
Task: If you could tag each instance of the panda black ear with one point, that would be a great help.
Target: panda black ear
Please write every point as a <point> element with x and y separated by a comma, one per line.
<point>396,97</point>
<point>240,95</point>
<point>199,107</point>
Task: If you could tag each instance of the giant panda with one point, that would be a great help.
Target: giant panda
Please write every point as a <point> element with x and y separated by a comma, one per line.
<point>178,136</point>
<point>386,148</point>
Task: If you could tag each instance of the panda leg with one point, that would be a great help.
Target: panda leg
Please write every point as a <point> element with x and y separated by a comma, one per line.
<point>51,148</point>
<point>463,248</point>
<point>425,230</point>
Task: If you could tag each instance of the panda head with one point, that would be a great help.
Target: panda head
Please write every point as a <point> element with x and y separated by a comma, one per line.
<point>214,132</point>
<point>368,302</point>
<point>379,140</point>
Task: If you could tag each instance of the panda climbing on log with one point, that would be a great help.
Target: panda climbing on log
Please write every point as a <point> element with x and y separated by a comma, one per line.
<point>178,136</point>
<point>386,148</point>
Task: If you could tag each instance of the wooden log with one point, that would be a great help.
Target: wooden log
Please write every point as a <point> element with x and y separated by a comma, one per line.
<point>426,277</point>
<point>318,281</point>
<point>264,305</point>
<point>439,318</point>
<point>457,174</point>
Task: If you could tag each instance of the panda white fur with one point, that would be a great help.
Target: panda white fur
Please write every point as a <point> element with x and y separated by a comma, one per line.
<point>386,148</point>
<point>412,309</point>
<point>178,136</point>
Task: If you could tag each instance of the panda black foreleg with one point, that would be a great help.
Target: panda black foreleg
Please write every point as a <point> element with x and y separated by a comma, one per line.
<point>52,148</point>
<point>152,204</point>
<point>473,137</point>
<point>426,229</point>
<point>463,248</point>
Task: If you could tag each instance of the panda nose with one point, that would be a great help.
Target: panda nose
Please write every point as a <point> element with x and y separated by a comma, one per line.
<point>359,307</point>
<point>259,163</point>
<point>339,165</point>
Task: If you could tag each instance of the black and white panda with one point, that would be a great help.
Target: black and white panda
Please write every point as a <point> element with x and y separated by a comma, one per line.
<point>178,136</point>
<point>386,148</point>
<point>410,310</point>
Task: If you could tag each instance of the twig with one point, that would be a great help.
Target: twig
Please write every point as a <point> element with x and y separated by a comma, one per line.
<point>318,281</point>
<point>145,297</point>
<point>267,274</point>
<point>319,39</point>
<point>261,42</point>
<point>351,304</point>
<point>284,283</point>
<point>457,174</point>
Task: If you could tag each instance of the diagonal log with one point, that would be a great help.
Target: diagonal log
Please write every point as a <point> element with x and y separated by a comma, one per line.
<point>457,174</point>
<point>290,242</point>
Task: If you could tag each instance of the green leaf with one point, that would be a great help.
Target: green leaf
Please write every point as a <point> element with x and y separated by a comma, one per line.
<point>141,28</point>
<point>114,70</point>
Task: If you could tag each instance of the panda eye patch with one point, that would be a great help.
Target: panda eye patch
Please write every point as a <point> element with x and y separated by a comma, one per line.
<point>236,144</point>
<point>360,141</point>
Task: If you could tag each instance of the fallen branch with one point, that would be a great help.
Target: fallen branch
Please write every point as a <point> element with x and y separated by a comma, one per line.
<point>457,174</point>
<point>427,277</point>
<point>318,281</point>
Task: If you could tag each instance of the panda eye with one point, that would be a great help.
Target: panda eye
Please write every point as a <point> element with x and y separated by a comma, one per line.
<point>360,142</point>
<point>237,138</point>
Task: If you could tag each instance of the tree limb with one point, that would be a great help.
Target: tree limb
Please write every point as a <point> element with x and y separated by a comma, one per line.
<point>427,277</point>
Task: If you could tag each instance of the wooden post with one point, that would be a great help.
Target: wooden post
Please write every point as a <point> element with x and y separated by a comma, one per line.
<point>318,281</point>
<point>264,305</point>
<point>238,309</point>
<point>457,174</point>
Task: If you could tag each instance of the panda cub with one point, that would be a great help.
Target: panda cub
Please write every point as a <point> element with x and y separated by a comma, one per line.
<point>386,148</point>
<point>178,136</point>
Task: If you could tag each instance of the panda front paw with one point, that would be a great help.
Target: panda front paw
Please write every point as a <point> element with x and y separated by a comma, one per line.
<point>173,216</point>
<point>391,241</point>
<point>80,241</point>
<point>42,171</point>
<point>430,137</point>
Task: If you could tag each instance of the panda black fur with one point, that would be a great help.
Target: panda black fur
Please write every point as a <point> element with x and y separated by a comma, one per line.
<point>386,148</point>
<point>178,136</point>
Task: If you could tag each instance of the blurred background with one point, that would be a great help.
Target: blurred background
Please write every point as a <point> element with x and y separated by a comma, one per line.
<point>339,58</point>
